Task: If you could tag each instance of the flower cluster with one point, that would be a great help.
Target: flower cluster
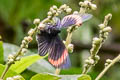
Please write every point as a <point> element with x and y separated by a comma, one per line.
<point>55,11</point>
<point>97,43</point>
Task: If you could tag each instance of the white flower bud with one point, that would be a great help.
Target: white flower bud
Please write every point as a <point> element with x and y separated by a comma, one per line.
<point>93,7</point>
<point>53,11</point>
<point>31,31</point>
<point>22,45</point>
<point>68,10</point>
<point>109,16</point>
<point>24,50</point>
<point>11,60</point>
<point>30,38</point>
<point>108,61</point>
<point>23,42</point>
<point>63,6</point>
<point>81,3</point>
<point>70,48</point>
<point>18,59</point>
<point>106,64</point>
<point>107,29</point>
<point>49,13</point>
<point>106,34</point>
<point>97,57</point>
<point>96,40</point>
<point>56,14</point>
<point>87,2</point>
<point>75,12</point>
<point>41,26</point>
<point>36,21</point>
<point>10,56</point>
<point>91,61</point>
<point>54,7</point>
<point>102,26</point>
<point>64,41</point>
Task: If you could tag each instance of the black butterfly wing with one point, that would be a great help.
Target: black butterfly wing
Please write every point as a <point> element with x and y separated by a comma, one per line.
<point>58,55</point>
<point>43,43</point>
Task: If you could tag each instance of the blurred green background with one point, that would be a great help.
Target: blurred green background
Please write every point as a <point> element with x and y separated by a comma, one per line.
<point>16,17</point>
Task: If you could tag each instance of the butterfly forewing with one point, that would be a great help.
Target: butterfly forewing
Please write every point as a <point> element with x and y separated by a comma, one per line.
<point>74,19</point>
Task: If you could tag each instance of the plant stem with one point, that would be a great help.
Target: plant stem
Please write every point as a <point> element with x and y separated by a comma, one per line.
<point>107,67</point>
<point>5,71</point>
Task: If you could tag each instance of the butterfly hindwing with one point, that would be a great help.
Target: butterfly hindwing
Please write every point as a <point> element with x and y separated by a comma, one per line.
<point>58,55</point>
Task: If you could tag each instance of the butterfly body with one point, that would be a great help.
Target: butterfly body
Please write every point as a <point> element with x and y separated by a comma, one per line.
<point>50,42</point>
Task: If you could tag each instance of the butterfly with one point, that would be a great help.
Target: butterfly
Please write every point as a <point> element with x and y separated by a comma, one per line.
<point>49,41</point>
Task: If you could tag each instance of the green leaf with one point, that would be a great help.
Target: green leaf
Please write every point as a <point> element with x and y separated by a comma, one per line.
<point>24,63</point>
<point>45,77</point>
<point>60,77</point>
<point>1,53</point>
<point>42,66</point>
<point>10,73</point>
<point>84,77</point>
<point>12,49</point>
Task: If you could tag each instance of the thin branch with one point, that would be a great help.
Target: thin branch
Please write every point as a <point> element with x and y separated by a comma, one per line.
<point>107,67</point>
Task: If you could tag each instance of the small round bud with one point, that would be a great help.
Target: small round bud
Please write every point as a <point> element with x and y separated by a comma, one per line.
<point>56,14</point>
<point>36,21</point>
<point>22,45</point>
<point>106,34</point>
<point>96,40</point>
<point>81,3</point>
<point>106,64</point>
<point>93,7</point>
<point>75,12</point>
<point>68,10</point>
<point>54,7</point>
<point>91,61</point>
<point>64,41</point>
<point>102,26</point>
<point>17,59</point>
<point>108,61</point>
<point>49,17</point>
<point>70,48</point>
<point>109,16</point>
<point>86,3</point>
<point>26,46</point>
<point>53,11</point>
<point>10,56</point>
<point>31,31</point>
<point>63,6</point>
<point>49,13</point>
<point>97,57</point>
<point>41,26</point>
<point>24,50</point>
<point>30,38</point>
<point>11,60</point>
<point>23,42</point>
<point>107,29</point>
